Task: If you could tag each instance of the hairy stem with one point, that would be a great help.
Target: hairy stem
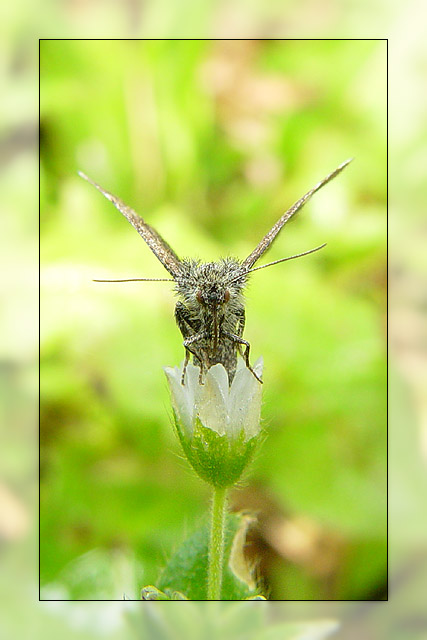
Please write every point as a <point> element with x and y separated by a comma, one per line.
<point>216,543</point>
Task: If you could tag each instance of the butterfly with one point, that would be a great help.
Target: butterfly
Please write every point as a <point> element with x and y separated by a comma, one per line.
<point>210,311</point>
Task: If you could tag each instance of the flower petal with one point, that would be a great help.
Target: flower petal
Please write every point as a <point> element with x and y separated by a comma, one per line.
<point>244,404</point>
<point>178,397</point>
<point>192,386</point>
<point>211,403</point>
<point>221,377</point>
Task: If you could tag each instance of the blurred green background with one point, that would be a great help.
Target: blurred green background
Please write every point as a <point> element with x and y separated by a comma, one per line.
<point>211,141</point>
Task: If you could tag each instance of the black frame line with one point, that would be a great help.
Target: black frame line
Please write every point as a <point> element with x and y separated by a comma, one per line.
<point>386,40</point>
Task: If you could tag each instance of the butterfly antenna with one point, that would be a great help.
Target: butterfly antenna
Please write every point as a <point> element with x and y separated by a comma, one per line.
<point>297,255</point>
<point>139,280</point>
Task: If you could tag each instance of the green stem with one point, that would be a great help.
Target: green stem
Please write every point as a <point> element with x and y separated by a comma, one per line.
<point>216,543</point>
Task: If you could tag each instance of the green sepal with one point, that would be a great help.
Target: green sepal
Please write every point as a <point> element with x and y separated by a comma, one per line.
<point>187,570</point>
<point>218,459</point>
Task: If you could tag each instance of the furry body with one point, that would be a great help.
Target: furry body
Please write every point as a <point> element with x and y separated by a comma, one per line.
<point>211,313</point>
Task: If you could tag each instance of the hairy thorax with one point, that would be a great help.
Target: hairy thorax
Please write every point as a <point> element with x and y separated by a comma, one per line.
<point>211,310</point>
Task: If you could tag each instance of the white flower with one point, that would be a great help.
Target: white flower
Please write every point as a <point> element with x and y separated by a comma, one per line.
<point>218,426</point>
<point>224,409</point>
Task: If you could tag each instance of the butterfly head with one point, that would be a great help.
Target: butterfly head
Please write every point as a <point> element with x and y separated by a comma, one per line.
<point>211,286</point>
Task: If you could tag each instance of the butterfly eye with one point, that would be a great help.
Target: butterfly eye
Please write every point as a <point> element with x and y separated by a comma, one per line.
<point>199,296</point>
<point>226,296</point>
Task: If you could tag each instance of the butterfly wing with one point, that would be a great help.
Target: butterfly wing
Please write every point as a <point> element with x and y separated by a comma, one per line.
<point>268,239</point>
<point>157,244</point>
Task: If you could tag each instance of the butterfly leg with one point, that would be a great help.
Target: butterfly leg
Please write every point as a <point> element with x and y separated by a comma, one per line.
<point>196,356</point>
<point>240,329</point>
<point>240,342</point>
<point>187,328</point>
<point>184,368</point>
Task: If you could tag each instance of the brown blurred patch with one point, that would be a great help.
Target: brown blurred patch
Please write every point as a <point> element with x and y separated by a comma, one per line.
<point>246,97</point>
<point>14,517</point>
<point>288,538</point>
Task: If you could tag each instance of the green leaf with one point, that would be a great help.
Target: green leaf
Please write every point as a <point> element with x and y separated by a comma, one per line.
<point>152,593</point>
<point>186,572</point>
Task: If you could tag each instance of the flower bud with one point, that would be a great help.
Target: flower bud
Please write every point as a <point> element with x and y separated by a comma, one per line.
<point>218,426</point>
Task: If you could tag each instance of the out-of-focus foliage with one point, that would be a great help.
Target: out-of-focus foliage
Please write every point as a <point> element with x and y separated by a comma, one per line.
<point>211,142</point>
<point>216,620</point>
